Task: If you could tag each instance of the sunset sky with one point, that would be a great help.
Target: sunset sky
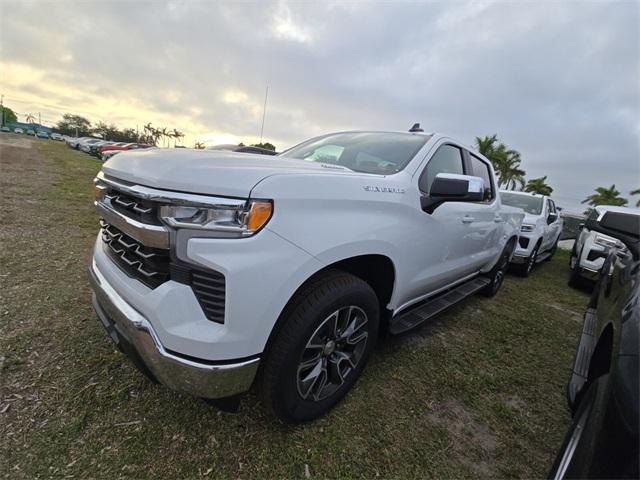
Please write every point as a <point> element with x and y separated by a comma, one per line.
<point>557,81</point>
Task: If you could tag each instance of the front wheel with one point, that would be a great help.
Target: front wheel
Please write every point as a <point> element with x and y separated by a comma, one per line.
<point>329,330</point>
<point>580,455</point>
<point>526,268</point>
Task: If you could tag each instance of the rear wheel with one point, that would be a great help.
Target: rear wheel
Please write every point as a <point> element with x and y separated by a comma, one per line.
<point>319,352</point>
<point>498,272</point>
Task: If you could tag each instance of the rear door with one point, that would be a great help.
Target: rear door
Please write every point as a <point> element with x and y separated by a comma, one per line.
<point>554,227</point>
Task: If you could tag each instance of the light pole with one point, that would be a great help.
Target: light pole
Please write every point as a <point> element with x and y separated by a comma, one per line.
<point>2,108</point>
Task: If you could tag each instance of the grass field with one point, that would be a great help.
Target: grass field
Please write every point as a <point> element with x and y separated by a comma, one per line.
<point>479,392</point>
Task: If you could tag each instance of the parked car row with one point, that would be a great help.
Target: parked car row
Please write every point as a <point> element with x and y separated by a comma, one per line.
<point>32,132</point>
<point>100,148</point>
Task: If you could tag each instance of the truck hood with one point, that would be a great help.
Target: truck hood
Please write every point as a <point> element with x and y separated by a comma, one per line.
<point>530,219</point>
<point>207,171</point>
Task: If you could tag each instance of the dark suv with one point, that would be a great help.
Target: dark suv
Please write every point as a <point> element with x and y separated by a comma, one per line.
<point>602,441</point>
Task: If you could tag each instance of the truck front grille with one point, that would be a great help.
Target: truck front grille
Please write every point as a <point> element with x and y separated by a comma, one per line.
<point>149,265</point>
<point>144,211</point>
<point>152,265</point>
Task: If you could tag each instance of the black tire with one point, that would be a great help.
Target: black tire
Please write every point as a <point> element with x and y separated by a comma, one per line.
<point>580,455</point>
<point>574,254</point>
<point>525,269</point>
<point>498,272</point>
<point>305,322</point>
<point>575,277</point>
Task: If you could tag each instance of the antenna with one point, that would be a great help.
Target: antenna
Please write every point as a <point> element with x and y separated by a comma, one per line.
<point>416,128</point>
<point>264,112</point>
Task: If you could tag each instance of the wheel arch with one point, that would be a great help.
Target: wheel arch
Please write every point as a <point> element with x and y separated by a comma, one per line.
<point>377,270</point>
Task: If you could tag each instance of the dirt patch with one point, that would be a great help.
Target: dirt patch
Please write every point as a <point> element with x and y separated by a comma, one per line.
<point>14,140</point>
<point>469,438</point>
<point>573,314</point>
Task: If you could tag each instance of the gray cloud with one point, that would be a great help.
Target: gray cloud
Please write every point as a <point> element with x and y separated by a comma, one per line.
<point>557,81</point>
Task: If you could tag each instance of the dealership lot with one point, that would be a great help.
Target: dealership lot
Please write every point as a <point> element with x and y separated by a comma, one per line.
<point>477,392</point>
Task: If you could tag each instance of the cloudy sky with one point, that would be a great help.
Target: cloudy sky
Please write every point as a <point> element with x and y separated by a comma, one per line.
<point>557,81</point>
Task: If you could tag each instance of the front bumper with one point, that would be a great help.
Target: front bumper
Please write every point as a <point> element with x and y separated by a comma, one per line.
<point>135,336</point>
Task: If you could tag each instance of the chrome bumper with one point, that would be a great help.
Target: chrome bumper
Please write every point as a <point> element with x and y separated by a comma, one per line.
<point>135,336</point>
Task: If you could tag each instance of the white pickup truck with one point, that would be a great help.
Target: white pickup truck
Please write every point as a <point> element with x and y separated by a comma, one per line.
<point>540,231</point>
<point>215,271</point>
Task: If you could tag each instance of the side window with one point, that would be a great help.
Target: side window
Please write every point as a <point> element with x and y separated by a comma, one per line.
<point>447,159</point>
<point>482,170</point>
<point>552,207</point>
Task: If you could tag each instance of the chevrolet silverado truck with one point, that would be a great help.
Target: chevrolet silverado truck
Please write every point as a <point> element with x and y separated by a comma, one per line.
<point>216,271</point>
<point>540,230</point>
<point>592,246</point>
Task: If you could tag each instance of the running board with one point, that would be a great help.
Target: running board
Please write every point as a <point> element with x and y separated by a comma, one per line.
<point>543,256</point>
<point>415,316</point>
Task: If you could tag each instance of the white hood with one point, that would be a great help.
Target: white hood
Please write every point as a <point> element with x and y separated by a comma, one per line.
<point>530,219</point>
<point>206,171</point>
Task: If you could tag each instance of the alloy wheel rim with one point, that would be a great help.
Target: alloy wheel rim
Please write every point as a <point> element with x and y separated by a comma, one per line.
<point>332,353</point>
<point>532,260</point>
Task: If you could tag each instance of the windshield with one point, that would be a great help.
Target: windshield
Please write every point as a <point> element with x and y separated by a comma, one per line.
<point>368,152</point>
<point>531,205</point>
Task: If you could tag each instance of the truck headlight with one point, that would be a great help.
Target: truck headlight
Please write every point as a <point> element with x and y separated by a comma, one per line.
<point>233,219</point>
<point>527,228</point>
<point>604,241</point>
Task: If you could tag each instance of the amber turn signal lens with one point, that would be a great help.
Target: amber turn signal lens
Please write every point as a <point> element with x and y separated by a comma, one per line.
<point>259,215</point>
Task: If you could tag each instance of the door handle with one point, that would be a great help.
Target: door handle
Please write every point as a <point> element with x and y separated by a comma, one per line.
<point>468,219</point>
<point>498,219</point>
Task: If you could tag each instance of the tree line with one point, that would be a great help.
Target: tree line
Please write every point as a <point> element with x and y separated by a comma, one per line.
<point>507,165</point>
<point>77,125</point>
<point>80,126</point>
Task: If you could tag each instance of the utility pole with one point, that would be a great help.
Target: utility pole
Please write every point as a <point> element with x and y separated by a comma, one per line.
<point>264,112</point>
<point>2,108</point>
<point>39,120</point>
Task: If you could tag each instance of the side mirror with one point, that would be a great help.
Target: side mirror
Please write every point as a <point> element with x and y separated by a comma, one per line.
<point>581,226</point>
<point>552,218</point>
<point>452,187</point>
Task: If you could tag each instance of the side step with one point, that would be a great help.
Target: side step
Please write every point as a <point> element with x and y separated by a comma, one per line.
<point>543,256</point>
<point>418,314</point>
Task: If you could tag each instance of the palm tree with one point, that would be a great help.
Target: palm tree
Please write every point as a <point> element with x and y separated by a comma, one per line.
<point>177,135</point>
<point>199,145</point>
<point>510,172</point>
<point>30,118</point>
<point>538,185</point>
<point>605,196</point>
<point>505,162</point>
<point>636,192</point>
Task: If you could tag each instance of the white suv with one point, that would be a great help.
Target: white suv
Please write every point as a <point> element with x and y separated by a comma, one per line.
<point>540,231</point>
<point>211,266</point>
<point>591,248</point>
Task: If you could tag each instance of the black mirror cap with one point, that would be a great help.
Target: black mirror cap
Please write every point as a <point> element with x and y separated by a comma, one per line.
<point>448,190</point>
<point>449,187</point>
